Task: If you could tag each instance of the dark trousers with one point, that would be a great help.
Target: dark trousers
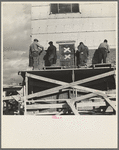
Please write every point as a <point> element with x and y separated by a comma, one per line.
<point>102,55</point>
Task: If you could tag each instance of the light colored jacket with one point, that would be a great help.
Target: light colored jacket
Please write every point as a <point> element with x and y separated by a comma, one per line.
<point>36,47</point>
<point>104,45</point>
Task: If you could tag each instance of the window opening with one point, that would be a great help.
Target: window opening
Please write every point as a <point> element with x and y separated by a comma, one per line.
<point>64,8</point>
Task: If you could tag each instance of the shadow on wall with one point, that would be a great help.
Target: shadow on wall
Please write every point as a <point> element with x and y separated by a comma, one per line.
<point>111,57</point>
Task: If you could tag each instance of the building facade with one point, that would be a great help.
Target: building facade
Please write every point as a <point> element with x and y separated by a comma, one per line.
<point>72,23</point>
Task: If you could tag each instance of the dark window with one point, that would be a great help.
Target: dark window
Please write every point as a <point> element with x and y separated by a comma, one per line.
<point>75,8</point>
<point>54,8</point>
<point>64,8</point>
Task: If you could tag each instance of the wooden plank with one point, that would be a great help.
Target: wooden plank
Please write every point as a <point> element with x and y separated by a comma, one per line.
<point>45,79</point>
<point>101,93</point>
<point>47,100</point>
<point>98,92</point>
<point>47,113</point>
<point>80,98</point>
<point>7,98</point>
<point>112,96</point>
<point>56,89</point>
<point>26,80</point>
<point>89,104</point>
<point>15,97</point>
<point>111,103</point>
<point>24,100</point>
<point>73,99</point>
<point>75,111</point>
<point>43,106</point>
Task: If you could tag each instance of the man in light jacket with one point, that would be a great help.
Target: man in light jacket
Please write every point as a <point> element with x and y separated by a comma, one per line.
<point>103,50</point>
<point>34,52</point>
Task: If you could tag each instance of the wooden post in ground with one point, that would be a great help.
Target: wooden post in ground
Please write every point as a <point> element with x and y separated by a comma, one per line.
<point>73,78</point>
<point>19,108</point>
<point>26,88</point>
<point>25,93</point>
<point>115,78</point>
<point>24,100</point>
<point>72,106</point>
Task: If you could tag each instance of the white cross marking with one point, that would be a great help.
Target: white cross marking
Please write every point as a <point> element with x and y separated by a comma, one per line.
<point>67,49</point>
<point>67,56</point>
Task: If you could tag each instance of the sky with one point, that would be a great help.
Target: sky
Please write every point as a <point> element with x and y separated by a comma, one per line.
<point>16,30</point>
<point>16,21</point>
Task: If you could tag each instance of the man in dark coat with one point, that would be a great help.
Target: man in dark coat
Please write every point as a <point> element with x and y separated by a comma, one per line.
<point>34,52</point>
<point>51,56</point>
<point>82,54</point>
<point>100,54</point>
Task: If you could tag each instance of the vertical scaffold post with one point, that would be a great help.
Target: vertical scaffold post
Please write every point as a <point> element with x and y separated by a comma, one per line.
<point>115,78</point>
<point>26,92</point>
<point>73,78</point>
<point>24,100</point>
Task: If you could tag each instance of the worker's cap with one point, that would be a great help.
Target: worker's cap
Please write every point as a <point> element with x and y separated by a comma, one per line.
<point>105,41</point>
<point>36,40</point>
<point>81,43</point>
<point>50,42</point>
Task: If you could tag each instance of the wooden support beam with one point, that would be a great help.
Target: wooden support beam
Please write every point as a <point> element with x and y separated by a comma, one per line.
<point>47,100</point>
<point>90,104</point>
<point>80,98</point>
<point>45,79</point>
<point>66,85</point>
<point>112,96</point>
<point>25,93</point>
<point>75,111</point>
<point>26,80</point>
<point>45,106</point>
<point>47,113</point>
<point>111,103</point>
<point>98,92</point>
<point>61,100</point>
<point>15,97</point>
<point>7,98</point>
<point>24,100</point>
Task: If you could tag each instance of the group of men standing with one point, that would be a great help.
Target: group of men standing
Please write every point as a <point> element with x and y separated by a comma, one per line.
<point>99,56</point>
<point>36,50</point>
<point>50,55</point>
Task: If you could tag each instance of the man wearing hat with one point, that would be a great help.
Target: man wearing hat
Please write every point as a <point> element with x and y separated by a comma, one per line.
<point>82,54</point>
<point>34,52</point>
<point>100,54</point>
<point>103,49</point>
<point>51,56</point>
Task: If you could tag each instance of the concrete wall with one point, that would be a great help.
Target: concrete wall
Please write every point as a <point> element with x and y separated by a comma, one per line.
<point>96,22</point>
